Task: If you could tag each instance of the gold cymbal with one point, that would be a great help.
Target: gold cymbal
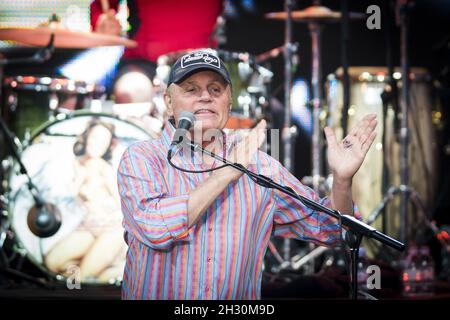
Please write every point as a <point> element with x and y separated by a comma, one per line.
<point>64,38</point>
<point>314,14</point>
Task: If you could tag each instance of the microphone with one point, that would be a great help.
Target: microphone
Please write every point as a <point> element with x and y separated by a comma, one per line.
<point>44,220</point>
<point>185,122</point>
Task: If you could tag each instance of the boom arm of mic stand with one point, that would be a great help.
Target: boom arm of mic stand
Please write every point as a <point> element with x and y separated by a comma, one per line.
<point>353,224</point>
<point>9,138</point>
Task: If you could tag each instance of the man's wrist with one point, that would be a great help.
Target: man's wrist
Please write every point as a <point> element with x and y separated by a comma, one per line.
<point>225,175</point>
<point>342,183</point>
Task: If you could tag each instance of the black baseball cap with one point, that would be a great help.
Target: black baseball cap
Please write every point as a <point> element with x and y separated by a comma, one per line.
<point>199,60</point>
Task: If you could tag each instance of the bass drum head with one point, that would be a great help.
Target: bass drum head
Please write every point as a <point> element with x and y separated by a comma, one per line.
<point>73,162</point>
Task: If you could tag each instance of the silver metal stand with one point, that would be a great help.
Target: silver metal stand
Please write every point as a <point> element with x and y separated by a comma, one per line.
<point>406,192</point>
<point>315,30</point>
<point>12,143</point>
<point>404,131</point>
<point>287,133</point>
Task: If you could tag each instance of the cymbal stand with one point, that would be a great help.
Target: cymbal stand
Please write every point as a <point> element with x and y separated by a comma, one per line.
<point>42,55</point>
<point>316,180</point>
<point>344,59</point>
<point>404,131</point>
<point>315,30</point>
<point>406,192</point>
<point>288,133</point>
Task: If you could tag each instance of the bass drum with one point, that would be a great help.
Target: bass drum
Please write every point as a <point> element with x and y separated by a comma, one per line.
<point>73,162</point>
<point>30,101</point>
<point>367,87</point>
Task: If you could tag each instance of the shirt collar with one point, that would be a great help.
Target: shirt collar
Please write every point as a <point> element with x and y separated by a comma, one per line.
<point>167,134</point>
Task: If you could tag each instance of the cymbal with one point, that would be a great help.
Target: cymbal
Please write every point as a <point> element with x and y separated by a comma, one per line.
<point>314,14</point>
<point>64,38</point>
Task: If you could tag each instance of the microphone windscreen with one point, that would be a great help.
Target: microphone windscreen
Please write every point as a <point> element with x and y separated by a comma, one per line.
<point>44,221</point>
<point>186,115</point>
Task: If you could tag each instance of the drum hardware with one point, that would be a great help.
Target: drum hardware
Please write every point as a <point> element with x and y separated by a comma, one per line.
<point>4,223</point>
<point>44,220</point>
<point>32,100</point>
<point>219,34</point>
<point>46,224</point>
<point>372,93</point>
<point>88,209</point>
<point>406,192</point>
<point>270,54</point>
<point>344,59</point>
<point>314,13</point>
<point>404,106</point>
<point>288,138</point>
<point>41,55</point>
<point>315,16</point>
<point>413,196</point>
<point>440,234</point>
<point>299,261</point>
<point>63,38</point>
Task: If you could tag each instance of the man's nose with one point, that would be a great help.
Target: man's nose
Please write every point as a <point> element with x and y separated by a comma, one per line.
<point>205,95</point>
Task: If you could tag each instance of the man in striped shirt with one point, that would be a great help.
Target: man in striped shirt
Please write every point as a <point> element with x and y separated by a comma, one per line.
<point>204,235</point>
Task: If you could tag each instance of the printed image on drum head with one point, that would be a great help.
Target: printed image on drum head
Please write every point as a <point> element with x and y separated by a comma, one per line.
<point>73,163</point>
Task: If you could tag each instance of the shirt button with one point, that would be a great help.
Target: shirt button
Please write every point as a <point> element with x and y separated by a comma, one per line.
<point>210,229</point>
<point>209,259</point>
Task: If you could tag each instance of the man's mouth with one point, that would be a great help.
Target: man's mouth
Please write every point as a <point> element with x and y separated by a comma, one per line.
<point>204,111</point>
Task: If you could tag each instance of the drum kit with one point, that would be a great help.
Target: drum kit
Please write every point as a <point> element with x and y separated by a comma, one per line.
<point>57,212</point>
<point>58,216</point>
<point>57,222</point>
<point>402,154</point>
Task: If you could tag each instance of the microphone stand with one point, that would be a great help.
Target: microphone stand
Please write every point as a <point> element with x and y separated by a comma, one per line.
<point>13,144</point>
<point>11,140</point>
<point>356,229</point>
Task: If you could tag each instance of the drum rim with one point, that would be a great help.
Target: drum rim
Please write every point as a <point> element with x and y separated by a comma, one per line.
<point>78,113</point>
<point>48,83</point>
<point>18,243</point>
<point>369,74</point>
<point>20,78</point>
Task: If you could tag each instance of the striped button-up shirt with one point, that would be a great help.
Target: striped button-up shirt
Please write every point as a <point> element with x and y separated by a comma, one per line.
<point>221,256</point>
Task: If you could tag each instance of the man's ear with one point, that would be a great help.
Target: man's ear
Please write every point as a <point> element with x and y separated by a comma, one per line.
<point>168,102</point>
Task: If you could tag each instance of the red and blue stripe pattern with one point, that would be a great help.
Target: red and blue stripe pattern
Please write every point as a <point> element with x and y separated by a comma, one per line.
<point>221,256</point>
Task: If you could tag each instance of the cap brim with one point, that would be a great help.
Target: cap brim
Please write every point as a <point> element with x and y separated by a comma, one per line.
<point>187,73</point>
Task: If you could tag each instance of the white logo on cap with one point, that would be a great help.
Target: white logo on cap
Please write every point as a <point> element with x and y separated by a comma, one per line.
<point>200,58</point>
